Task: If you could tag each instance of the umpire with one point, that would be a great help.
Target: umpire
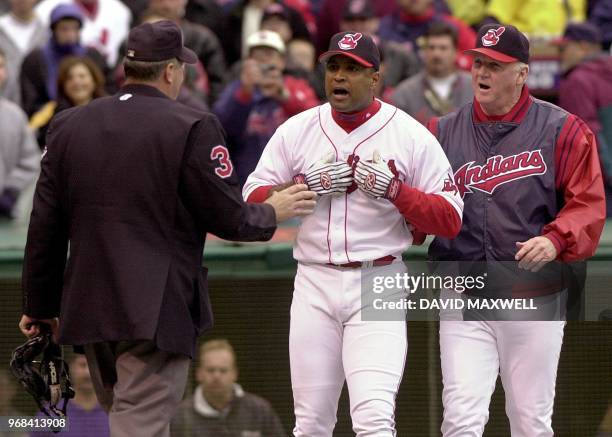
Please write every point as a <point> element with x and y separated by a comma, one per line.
<point>131,184</point>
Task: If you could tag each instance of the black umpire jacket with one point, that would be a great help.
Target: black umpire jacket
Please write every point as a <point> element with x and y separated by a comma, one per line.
<point>129,186</point>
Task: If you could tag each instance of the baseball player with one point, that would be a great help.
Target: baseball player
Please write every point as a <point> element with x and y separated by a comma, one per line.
<point>530,178</point>
<point>378,172</point>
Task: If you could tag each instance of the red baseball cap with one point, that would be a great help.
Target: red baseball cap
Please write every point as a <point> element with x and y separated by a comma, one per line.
<point>355,45</point>
<point>502,42</point>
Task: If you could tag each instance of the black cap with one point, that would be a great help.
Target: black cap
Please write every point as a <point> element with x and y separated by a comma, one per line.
<point>275,10</point>
<point>502,42</point>
<point>355,45</point>
<point>580,32</point>
<point>159,41</point>
<point>358,10</point>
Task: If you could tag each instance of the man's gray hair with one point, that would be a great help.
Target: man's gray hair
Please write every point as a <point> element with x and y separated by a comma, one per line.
<point>146,71</point>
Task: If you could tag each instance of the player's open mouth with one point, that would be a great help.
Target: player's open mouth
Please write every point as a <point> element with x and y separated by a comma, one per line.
<point>340,92</point>
<point>484,87</point>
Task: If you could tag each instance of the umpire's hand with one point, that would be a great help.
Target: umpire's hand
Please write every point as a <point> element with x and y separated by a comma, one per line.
<point>293,201</point>
<point>30,327</point>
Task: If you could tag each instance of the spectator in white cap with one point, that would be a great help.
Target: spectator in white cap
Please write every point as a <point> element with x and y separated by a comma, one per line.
<point>253,106</point>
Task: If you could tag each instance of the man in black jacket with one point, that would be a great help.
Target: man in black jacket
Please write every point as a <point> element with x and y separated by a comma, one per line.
<point>133,183</point>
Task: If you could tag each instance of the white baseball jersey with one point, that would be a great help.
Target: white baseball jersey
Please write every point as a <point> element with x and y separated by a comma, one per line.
<point>353,226</point>
<point>104,32</point>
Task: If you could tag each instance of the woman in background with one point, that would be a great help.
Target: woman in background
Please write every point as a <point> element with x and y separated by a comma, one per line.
<point>79,82</point>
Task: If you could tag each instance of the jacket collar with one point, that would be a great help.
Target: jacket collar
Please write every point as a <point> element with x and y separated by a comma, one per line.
<point>142,90</point>
<point>516,114</point>
<point>203,407</point>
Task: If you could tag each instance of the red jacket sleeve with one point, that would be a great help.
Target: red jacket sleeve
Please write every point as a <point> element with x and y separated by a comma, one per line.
<point>418,235</point>
<point>429,213</point>
<point>576,230</point>
<point>301,96</point>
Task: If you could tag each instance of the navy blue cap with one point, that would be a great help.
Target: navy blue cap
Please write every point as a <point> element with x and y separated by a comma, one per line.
<point>587,32</point>
<point>159,41</point>
<point>355,45</point>
<point>502,42</point>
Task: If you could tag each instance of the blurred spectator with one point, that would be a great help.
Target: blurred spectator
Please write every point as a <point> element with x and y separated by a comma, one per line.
<point>537,17</point>
<point>601,16</point>
<point>219,406</point>
<point>414,19</point>
<point>207,13</point>
<point>440,88</point>
<point>331,14</point>
<point>19,156</point>
<point>79,81</point>
<point>8,389</point>
<point>4,6</point>
<point>586,88</point>
<point>301,60</point>
<point>252,107</point>
<point>85,415</point>
<point>137,8</point>
<point>397,64</point>
<point>244,18</point>
<point>198,38</point>
<point>605,428</point>
<point>20,32</point>
<point>304,8</point>
<point>469,11</point>
<point>40,68</point>
<point>106,24</point>
<point>276,18</point>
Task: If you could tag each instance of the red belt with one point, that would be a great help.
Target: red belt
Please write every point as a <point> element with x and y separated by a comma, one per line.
<point>384,261</point>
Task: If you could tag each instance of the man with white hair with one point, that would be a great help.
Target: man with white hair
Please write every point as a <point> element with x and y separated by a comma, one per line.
<point>531,183</point>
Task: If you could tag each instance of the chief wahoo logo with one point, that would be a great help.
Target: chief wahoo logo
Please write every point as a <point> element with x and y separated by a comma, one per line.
<point>349,41</point>
<point>491,38</point>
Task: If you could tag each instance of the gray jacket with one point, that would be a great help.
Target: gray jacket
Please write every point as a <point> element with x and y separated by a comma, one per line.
<point>14,58</point>
<point>416,97</point>
<point>247,415</point>
<point>19,152</point>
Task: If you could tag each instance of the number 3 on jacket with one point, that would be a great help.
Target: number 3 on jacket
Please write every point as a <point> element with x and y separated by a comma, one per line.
<point>225,167</point>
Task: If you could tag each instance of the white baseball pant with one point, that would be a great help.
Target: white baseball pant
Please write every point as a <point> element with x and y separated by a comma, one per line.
<point>328,343</point>
<point>524,353</point>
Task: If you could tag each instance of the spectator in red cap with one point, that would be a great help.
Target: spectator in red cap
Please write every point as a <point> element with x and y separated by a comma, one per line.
<point>586,88</point>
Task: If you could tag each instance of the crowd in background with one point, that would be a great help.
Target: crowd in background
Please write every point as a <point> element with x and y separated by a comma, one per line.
<point>257,66</point>
<point>257,61</point>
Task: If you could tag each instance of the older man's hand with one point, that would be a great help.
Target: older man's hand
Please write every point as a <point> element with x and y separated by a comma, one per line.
<point>534,253</point>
